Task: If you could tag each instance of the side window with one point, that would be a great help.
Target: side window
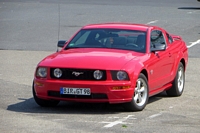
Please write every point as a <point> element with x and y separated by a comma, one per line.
<point>169,38</point>
<point>157,38</point>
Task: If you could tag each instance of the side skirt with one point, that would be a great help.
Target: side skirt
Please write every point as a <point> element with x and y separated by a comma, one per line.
<point>159,90</point>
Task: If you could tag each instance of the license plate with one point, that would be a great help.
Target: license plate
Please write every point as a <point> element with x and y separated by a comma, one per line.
<point>75,91</point>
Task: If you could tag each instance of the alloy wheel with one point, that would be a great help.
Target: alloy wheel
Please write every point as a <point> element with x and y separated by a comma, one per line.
<point>180,79</point>
<point>140,95</point>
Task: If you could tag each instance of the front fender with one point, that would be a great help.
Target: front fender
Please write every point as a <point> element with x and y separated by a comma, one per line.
<point>133,68</point>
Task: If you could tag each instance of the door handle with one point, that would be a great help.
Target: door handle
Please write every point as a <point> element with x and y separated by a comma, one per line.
<point>170,54</point>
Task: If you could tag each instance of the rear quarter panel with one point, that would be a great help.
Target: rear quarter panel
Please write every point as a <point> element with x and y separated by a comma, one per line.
<point>180,53</point>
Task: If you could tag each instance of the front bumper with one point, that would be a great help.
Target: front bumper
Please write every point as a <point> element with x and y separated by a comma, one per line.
<point>101,91</point>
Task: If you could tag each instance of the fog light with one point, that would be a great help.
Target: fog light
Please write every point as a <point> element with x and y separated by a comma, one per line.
<point>98,74</point>
<point>57,73</point>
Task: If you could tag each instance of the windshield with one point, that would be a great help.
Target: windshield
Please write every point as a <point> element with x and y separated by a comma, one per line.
<point>109,38</point>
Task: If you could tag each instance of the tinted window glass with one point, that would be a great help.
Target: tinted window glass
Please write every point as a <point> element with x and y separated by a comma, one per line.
<point>110,38</point>
<point>169,38</point>
<point>157,38</point>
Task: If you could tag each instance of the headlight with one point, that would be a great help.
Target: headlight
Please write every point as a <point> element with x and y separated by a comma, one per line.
<point>98,74</point>
<point>42,72</point>
<point>119,75</point>
<point>57,73</point>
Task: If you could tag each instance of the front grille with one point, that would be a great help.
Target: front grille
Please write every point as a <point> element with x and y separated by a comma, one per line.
<point>92,96</point>
<point>77,74</point>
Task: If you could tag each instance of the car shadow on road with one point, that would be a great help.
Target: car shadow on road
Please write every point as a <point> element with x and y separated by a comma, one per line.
<point>157,97</point>
<point>29,106</point>
<point>189,8</point>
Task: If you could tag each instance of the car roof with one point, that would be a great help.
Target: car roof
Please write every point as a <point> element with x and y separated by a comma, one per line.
<point>127,26</point>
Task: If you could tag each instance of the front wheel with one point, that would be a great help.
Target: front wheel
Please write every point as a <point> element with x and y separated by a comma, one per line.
<point>140,96</point>
<point>42,102</point>
<point>178,83</point>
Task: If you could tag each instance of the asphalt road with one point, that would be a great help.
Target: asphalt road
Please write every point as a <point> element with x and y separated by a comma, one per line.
<point>30,29</point>
<point>39,24</point>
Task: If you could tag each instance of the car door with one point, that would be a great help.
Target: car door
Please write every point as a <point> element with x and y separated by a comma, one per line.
<point>161,61</point>
<point>173,52</point>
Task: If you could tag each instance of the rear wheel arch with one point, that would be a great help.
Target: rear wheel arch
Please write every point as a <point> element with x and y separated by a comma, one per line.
<point>176,66</point>
<point>178,82</point>
<point>183,62</point>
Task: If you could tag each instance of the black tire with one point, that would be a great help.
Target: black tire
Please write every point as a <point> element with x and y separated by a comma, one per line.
<point>178,83</point>
<point>42,102</point>
<point>140,97</point>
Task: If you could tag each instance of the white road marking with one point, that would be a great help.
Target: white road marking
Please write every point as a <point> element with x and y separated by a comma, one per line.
<point>190,12</point>
<point>193,43</point>
<point>155,115</point>
<point>111,124</point>
<point>58,119</point>
<point>151,22</point>
<point>120,121</point>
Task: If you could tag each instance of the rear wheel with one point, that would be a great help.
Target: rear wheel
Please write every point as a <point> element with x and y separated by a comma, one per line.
<point>140,96</point>
<point>42,102</point>
<point>178,83</point>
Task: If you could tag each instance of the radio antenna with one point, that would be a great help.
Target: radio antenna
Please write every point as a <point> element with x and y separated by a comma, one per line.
<point>58,21</point>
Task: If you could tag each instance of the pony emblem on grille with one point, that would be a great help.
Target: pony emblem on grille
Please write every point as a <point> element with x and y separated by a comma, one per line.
<point>77,73</point>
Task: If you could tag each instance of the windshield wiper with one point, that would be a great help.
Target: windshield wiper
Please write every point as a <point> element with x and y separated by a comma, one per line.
<point>66,48</point>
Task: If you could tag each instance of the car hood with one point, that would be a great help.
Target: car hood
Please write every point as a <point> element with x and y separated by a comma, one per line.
<point>90,58</point>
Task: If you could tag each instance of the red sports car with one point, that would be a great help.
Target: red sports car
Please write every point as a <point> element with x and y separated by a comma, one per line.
<point>113,63</point>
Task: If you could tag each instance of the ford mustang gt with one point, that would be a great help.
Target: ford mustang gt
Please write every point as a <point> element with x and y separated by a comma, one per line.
<point>113,63</point>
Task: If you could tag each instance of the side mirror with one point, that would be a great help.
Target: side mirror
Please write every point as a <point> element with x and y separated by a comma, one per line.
<point>61,44</point>
<point>158,47</point>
